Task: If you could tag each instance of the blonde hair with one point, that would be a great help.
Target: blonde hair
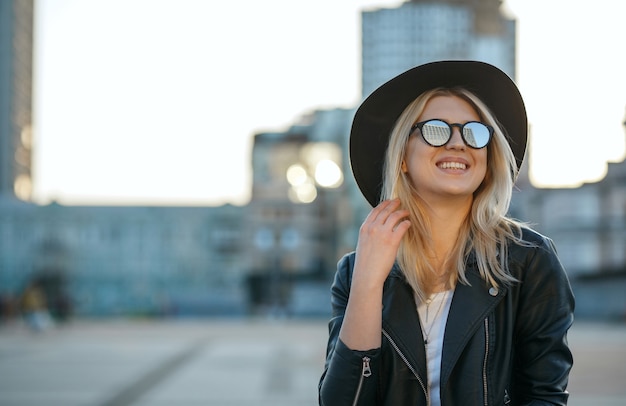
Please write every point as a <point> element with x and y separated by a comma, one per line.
<point>486,230</point>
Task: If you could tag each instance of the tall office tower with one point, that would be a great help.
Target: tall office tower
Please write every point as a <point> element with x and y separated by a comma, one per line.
<point>420,31</point>
<point>16,78</point>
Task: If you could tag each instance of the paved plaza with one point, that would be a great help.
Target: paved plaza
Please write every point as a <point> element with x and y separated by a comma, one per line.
<point>224,363</point>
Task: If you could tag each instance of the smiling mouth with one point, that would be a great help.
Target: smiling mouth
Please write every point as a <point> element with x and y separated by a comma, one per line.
<point>452,165</point>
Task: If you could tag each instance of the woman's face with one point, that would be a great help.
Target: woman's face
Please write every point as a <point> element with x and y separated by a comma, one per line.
<point>452,170</point>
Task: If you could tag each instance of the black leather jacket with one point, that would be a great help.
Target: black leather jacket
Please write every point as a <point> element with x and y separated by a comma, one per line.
<point>503,346</point>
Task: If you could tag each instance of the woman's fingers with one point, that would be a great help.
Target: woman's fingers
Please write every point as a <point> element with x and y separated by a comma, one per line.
<point>382,211</point>
<point>386,217</point>
<point>379,240</point>
<point>384,228</point>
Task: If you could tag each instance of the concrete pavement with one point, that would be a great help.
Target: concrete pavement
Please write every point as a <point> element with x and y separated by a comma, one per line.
<point>224,363</point>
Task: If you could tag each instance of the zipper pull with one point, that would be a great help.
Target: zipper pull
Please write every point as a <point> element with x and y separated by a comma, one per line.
<point>367,371</point>
<point>507,398</point>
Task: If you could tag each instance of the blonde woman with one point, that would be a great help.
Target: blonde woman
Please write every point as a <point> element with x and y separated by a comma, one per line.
<point>446,300</point>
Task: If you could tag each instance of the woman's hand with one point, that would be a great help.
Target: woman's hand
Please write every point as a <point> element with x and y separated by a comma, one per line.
<point>379,238</point>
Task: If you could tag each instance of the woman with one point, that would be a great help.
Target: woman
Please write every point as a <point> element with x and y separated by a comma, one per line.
<point>446,300</point>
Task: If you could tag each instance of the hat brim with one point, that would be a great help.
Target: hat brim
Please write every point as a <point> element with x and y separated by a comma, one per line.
<point>375,118</point>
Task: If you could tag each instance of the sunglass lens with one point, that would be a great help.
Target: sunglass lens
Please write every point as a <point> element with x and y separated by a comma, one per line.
<point>476,134</point>
<point>436,132</point>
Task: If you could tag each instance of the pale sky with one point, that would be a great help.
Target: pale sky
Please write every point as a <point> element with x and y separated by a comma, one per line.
<point>156,101</point>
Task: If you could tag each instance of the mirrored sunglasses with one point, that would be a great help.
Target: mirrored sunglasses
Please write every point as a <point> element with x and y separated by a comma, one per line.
<point>437,132</point>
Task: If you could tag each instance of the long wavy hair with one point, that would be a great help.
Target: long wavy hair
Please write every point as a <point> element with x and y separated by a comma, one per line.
<point>487,228</point>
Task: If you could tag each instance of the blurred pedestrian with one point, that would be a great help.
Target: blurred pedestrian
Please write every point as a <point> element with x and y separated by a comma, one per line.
<point>446,300</point>
<point>34,308</point>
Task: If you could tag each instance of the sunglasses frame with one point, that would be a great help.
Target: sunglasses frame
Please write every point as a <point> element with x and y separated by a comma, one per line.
<point>420,125</point>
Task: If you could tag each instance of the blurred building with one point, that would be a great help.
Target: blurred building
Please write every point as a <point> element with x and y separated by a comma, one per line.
<point>588,226</point>
<point>298,214</point>
<point>16,70</point>
<point>125,260</point>
<point>419,31</point>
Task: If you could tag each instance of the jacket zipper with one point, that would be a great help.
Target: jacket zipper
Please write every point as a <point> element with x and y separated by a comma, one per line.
<point>485,392</point>
<point>366,372</point>
<point>406,361</point>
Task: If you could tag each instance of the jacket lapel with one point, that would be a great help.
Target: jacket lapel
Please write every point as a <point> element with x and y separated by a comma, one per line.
<point>470,306</point>
<point>402,324</point>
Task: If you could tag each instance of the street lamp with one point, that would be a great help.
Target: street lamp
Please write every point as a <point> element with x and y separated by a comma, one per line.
<point>318,166</point>
<point>328,174</point>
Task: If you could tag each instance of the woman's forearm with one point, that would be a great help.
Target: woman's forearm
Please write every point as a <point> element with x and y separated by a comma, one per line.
<point>362,324</point>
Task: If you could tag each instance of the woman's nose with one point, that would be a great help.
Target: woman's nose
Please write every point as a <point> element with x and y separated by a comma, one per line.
<point>456,141</point>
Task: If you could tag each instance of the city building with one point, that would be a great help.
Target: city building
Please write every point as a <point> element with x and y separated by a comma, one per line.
<point>419,31</point>
<point>109,260</point>
<point>16,71</point>
<point>298,216</point>
<point>588,227</point>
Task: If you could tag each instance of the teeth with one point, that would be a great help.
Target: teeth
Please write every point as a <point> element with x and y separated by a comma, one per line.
<point>452,165</point>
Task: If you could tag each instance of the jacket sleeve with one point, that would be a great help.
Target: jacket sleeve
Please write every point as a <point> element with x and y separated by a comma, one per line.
<point>544,316</point>
<point>349,376</point>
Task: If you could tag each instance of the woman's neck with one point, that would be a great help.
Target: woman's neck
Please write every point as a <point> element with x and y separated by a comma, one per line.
<point>446,221</point>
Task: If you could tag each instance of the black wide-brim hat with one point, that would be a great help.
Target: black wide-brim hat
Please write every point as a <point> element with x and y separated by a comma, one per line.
<point>375,118</point>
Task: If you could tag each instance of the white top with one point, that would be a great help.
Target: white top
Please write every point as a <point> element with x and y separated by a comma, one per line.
<point>433,315</point>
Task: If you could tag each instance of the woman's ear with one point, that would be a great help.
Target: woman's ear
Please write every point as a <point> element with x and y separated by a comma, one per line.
<point>403,167</point>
